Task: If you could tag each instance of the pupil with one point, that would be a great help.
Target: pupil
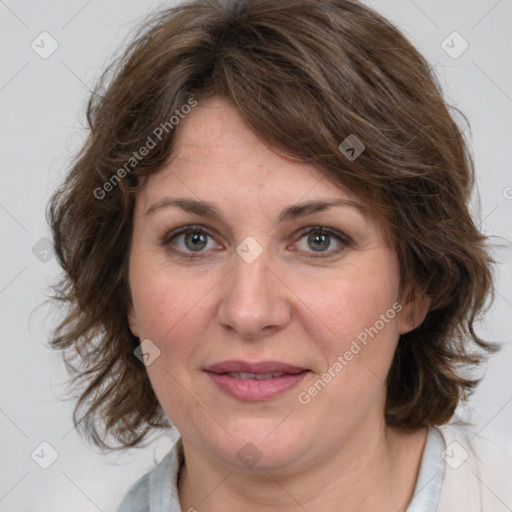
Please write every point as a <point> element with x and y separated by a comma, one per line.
<point>319,242</point>
<point>197,240</point>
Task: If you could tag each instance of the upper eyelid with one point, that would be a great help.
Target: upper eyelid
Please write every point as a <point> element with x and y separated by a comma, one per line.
<point>301,231</point>
<point>168,236</point>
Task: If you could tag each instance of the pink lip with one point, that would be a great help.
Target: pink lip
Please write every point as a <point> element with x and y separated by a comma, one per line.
<point>253,389</point>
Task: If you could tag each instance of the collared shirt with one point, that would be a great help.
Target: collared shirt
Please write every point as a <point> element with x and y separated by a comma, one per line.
<point>459,472</point>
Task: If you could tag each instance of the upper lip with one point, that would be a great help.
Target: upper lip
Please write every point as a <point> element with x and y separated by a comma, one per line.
<point>236,366</point>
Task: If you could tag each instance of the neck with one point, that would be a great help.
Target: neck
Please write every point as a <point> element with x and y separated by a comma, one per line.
<point>374,471</point>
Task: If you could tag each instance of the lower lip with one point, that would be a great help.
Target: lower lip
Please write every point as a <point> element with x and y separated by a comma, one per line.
<point>254,390</point>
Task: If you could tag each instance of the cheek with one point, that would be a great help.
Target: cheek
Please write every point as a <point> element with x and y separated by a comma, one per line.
<point>163,305</point>
<point>356,329</point>
<point>345,306</point>
<point>171,310</point>
<point>172,314</point>
<point>355,326</point>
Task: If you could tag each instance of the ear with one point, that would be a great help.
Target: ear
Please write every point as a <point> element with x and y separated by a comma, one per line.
<point>132,320</point>
<point>414,310</point>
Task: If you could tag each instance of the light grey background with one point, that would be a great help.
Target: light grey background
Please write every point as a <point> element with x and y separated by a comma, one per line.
<point>42,104</point>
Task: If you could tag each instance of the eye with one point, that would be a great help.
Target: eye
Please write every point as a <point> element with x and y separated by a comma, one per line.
<point>189,240</point>
<point>321,240</point>
<point>193,241</point>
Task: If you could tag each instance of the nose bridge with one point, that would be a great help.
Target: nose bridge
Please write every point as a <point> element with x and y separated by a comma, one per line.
<point>252,300</point>
<point>250,277</point>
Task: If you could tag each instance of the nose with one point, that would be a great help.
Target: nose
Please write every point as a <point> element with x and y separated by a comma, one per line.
<point>254,300</point>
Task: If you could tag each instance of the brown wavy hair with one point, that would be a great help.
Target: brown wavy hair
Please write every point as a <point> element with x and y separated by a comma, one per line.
<point>304,75</point>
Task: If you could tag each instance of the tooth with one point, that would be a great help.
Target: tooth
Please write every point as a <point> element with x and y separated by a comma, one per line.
<point>246,376</point>
<point>264,376</point>
<point>257,376</point>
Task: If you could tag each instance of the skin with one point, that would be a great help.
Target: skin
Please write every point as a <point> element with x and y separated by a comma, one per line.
<point>294,303</point>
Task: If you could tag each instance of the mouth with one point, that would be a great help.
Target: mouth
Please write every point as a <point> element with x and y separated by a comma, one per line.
<point>255,381</point>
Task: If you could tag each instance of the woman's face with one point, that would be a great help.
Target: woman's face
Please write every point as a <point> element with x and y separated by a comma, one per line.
<point>272,317</point>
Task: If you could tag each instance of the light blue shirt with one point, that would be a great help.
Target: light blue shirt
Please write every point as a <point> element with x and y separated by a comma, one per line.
<point>157,491</point>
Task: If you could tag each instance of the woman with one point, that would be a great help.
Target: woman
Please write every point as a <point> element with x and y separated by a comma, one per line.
<point>267,244</point>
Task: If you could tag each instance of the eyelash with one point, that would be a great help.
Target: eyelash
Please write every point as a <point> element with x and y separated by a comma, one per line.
<point>343,239</point>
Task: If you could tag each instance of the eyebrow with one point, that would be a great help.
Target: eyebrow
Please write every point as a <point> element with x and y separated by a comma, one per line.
<point>295,211</point>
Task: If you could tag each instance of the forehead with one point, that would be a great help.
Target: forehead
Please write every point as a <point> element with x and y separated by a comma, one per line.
<point>215,152</point>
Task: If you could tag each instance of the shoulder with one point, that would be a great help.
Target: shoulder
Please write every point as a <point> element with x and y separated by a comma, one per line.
<point>137,498</point>
<point>477,472</point>
<point>157,489</point>
<point>462,444</point>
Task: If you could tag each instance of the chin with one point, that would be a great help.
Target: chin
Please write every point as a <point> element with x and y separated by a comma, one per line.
<point>263,444</point>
